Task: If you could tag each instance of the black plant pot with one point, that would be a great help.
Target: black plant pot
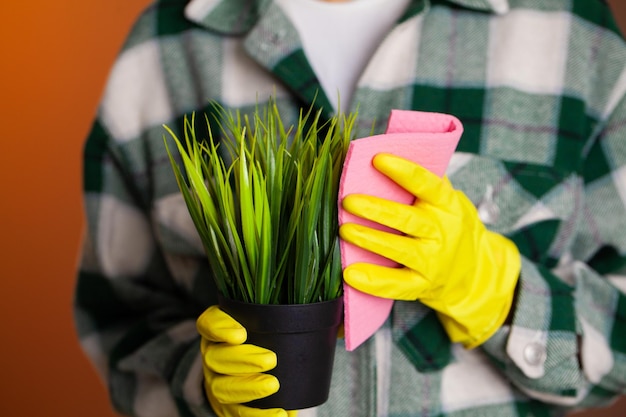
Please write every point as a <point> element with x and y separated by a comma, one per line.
<point>304,337</point>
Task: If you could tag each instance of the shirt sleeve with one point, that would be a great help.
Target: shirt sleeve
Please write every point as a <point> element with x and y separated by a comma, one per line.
<point>566,344</point>
<point>135,322</point>
<point>136,300</point>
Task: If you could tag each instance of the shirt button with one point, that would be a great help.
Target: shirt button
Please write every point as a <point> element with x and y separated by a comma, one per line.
<point>272,39</point>
<point>488,210</point>
<point>534,354</point>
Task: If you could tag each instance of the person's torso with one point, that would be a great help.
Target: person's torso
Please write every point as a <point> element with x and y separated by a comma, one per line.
<point>523,85</point>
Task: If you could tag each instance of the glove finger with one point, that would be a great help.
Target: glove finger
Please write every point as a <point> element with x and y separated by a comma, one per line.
<point>217,326</point>
<point>269,412</point>
<point>410,220</point>
<point>404,250</point>
<point>238,359</point>
<point>415,179</point>
<point>238,410</point>
<point>229,389</point>
<point>385,282</point>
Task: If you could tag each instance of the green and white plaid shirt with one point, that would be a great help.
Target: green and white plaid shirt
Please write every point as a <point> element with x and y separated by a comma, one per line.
<point>540,88</point>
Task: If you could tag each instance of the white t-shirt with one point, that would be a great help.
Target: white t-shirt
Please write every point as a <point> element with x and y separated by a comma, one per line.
<point>340,38</point>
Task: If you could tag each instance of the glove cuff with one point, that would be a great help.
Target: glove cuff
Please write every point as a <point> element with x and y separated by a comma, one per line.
<point>489,304</point>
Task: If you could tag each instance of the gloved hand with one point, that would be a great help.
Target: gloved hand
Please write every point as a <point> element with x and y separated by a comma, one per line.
<point>233,371</point>
<point>450,261</point>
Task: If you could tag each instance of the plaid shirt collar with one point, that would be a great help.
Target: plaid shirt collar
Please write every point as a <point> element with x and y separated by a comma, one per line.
<point>242,14</point>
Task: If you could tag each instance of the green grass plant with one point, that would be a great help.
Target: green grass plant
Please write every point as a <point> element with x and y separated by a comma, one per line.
<point>263,197</point>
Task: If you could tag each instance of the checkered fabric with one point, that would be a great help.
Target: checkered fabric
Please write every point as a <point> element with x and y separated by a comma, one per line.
<point>540,88</point>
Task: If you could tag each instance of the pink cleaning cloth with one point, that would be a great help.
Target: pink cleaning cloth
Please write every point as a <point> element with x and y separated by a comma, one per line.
<point>428,139</point>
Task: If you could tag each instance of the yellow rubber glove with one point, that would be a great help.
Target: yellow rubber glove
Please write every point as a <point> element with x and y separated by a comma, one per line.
<point>233,371</point>
<point>450,261</point>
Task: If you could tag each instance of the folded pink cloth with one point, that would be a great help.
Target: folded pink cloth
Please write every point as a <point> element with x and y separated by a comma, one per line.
<point>428,139</point>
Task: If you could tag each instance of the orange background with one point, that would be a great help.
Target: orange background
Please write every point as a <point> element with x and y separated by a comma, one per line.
<point>55,58</point>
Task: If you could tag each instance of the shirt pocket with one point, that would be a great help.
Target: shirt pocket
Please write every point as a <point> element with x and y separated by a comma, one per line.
<point>537,206</point>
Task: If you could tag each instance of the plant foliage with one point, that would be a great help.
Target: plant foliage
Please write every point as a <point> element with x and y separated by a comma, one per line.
<point>268,219</point>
